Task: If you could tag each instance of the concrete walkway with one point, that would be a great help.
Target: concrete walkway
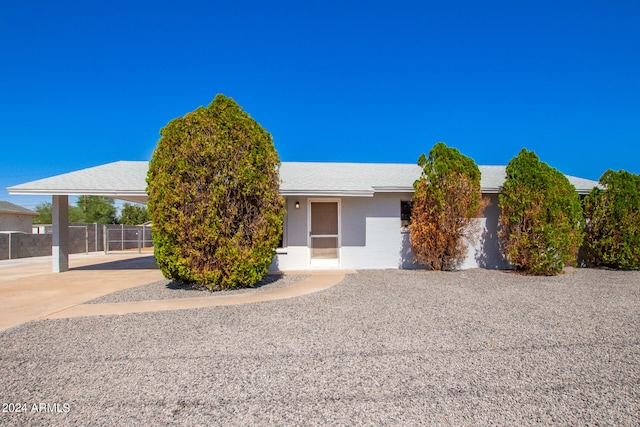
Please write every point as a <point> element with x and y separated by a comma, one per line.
<point>29,291</point>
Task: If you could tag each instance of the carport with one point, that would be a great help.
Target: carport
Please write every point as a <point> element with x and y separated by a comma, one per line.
<point>123,180</point>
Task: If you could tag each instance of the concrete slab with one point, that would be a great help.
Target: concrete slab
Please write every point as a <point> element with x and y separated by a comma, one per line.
<point>29,291</point>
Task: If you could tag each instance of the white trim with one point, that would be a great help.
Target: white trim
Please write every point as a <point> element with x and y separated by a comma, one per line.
<point>327,193</point>
<point>324,263</point>
<point>381,189</point>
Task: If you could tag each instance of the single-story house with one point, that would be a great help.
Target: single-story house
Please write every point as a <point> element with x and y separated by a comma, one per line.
<point>15,218</point>
<point>339,215</point>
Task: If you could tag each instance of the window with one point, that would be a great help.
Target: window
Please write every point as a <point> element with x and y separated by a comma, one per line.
<point>405,213</point>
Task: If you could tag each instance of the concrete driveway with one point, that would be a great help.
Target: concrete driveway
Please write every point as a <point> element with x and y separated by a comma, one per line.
<point>29,291</point>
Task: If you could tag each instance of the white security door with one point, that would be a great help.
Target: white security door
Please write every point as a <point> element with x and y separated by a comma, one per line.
<point>324,234</point>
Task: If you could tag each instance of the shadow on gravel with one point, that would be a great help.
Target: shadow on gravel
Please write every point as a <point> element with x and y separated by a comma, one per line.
<point>269,279</point>
<point>143,262</point>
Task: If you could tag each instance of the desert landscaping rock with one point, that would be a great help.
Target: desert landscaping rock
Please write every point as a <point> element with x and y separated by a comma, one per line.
<point>167,289</point>
<point>383,347</point>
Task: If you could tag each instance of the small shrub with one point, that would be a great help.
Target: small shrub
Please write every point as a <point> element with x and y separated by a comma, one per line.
<point>613,222</point>
<point>541,216</point>
<point>214,199</point>
<point>446,200</point>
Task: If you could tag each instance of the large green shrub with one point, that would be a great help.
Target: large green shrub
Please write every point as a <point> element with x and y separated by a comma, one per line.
<point>541,216</point>
<point>613,222</point>
<point>213,186</point>
<point>446,200</point>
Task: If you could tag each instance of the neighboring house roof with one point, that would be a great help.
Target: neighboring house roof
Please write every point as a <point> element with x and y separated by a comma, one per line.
<point>127,180</point>
<point>10,208</point>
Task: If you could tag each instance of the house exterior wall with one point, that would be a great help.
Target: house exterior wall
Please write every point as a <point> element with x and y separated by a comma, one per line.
<point>483,251</point>
<point>15,222</point>
<point>295,254</point>
<point>371,231</point>
<point>371,235</point>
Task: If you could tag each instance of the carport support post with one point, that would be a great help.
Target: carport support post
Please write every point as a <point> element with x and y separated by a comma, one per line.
<point>60,240</point>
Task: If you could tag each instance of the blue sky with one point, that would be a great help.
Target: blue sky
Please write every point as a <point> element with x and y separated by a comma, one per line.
<point>85,83</point>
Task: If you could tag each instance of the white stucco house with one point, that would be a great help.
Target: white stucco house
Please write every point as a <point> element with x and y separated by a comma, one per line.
<point>339,215</point>
<point>15,218</point>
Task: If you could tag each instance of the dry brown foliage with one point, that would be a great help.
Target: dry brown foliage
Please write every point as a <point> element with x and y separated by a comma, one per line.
<point>444,221</point>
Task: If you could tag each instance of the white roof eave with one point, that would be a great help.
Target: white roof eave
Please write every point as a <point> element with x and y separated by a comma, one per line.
<point>326,193</point>
<point>75,192</point>
<point>129,196</point>
<point>399,189</point>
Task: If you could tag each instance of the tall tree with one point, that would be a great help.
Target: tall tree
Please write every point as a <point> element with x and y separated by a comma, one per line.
<point>613,222</point>
<point>98,209</point>
<point>541,216</point>
<point>213,187</point>
<point>76,214</point>
<point>45,215</point>
<point>134,214</point>
<point>446,200</point>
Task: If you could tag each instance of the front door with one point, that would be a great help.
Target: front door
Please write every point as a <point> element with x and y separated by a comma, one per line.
<point>324,234</point>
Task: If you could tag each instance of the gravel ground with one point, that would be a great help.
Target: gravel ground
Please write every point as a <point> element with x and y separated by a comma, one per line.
<point>167,289</point>
<point>383,347</point>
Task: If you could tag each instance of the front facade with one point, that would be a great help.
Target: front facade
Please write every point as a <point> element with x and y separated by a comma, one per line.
<point>344,215</point>
<point>339,215</point>
<point>354,216</point>
<point>368,233</point>
<point>343,232</point>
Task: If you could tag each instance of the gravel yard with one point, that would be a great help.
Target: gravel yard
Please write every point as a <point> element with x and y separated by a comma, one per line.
<point>167,289</point>
<point>384,347</point>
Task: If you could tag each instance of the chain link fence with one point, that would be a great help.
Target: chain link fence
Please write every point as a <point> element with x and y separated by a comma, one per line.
<point>127,238</point>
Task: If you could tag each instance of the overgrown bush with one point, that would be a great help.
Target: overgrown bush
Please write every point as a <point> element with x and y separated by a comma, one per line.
<point>613,222</point>
<point>446,200</point>
<point>541,216</point>
<point>213,187</point>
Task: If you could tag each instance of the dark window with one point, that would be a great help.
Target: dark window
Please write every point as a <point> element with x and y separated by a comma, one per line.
<point>405,213</point>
